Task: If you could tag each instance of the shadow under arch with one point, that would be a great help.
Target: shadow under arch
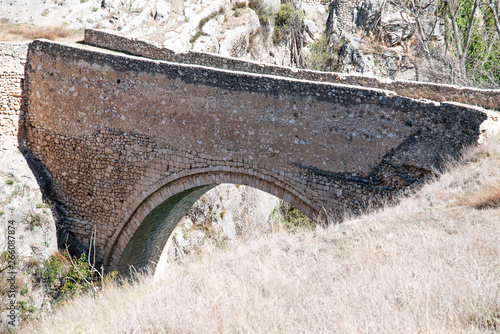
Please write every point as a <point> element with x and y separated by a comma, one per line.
<point>143,237</point>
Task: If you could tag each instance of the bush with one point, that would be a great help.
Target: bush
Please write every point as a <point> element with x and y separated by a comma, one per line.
<point>51,33</point>
<point>290,29</point>
<point>293,219</point>
<point>322,59</point>
<point>487,198</point>
<point>62,277</point>
<point>285,15</point>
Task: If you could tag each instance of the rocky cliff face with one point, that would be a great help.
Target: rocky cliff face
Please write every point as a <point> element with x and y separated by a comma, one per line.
<point>383,38</point>
<point>372,37</point>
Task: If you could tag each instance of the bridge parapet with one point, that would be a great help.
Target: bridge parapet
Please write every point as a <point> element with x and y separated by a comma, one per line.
<point>485,98</point>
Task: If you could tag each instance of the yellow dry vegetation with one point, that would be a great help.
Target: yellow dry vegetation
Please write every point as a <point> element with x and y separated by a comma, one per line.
<point>428,264</point>
<point>24,32</point>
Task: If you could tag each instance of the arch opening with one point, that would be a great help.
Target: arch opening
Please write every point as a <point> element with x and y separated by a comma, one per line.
<point>144,236</point>
<point>149,239</point>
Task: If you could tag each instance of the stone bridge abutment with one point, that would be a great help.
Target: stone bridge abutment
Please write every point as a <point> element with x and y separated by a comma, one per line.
<point>132,142</point>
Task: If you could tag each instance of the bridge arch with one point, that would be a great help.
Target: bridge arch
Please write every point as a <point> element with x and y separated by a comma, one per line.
<point>145,232</point>
<point>141,131</point>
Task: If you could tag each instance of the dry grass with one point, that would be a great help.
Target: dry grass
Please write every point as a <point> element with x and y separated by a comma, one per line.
<point>487,198</point>
<point>22,32</point>
<point>430,264</point>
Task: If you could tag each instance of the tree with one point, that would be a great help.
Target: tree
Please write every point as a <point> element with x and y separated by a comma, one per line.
<point>476,40</point>
<point>290,29</point>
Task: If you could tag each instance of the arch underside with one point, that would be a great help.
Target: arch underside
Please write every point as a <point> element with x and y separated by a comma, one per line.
<point>144,241</point>
<point>151,236</point>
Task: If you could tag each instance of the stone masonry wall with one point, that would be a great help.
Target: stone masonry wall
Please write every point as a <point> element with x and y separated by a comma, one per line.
<point>488,99</point>
<point>121,134</point>
<point>12,60</point>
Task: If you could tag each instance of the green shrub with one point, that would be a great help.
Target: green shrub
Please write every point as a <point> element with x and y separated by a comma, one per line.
<point>35,220</point>
<point>285,15</point>
<point>322,58</point>
<point>290,29</point>
<point>293,219</point>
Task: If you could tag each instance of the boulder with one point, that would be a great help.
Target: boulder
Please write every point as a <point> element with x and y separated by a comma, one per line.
<point>162,11</point>
<point>369,14</point>
<point>397,27</point>
<point>139,21</point>
<point>235,42</point>
<point>352,59</point>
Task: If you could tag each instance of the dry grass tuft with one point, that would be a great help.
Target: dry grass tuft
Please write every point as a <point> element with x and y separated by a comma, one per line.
<point>51,33</point>
<point>429,264</point>
<point>487,198</point>
<point>24,32</point>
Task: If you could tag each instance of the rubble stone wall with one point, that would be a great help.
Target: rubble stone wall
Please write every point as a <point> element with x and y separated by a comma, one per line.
<point>12,60</point>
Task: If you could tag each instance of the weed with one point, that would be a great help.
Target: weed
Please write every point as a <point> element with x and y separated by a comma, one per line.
<point>252,38</point>
<point>489,321</point>
<point>35,220</point>
<point>195,37</point>
<point>24,291</point>
<point>285,15</point>
<point>293,219</point>
<point>290,29</point>
<point>203,21</point>
<point>239,5</point>
<point>27,311</point>
<point>17,191</point>
<point>4,257</point>
<point>10,182</point>
<point>264,14</point>
<point>42,205</point>
<point>62,277</point>
<point>322,59</point>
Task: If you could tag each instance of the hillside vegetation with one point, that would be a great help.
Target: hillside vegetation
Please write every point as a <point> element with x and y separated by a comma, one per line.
<point>428,264</point>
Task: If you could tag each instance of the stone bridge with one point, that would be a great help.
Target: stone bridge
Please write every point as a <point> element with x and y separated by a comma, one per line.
<point>131,143</point>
